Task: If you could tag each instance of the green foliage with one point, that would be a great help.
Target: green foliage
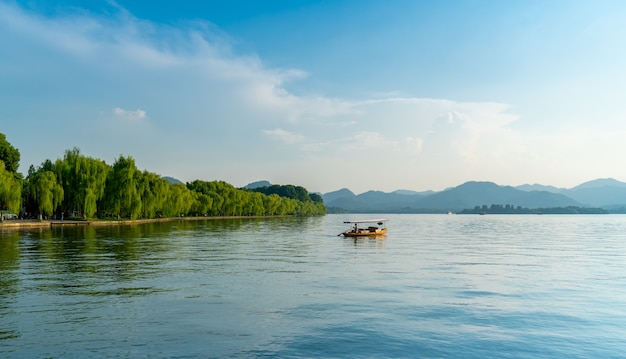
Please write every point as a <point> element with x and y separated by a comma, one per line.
<point>10,190</point>
<point>9,155</point>
<point>289,191</point>
<point>154,192</point>
<point>122,197</point>
<point>83,179</point>
<point>179,201</point>
<point>81,185</point>
<point>46,191</point>
<point>316,198</point>
<point>230,201</point>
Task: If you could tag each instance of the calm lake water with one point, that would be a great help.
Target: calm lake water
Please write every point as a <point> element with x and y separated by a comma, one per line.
<point>438,286</point>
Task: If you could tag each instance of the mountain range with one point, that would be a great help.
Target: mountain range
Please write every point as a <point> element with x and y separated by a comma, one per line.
<point>606,193</point>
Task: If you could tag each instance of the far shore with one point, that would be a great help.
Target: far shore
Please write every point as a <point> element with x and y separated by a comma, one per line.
<point>35,223</point>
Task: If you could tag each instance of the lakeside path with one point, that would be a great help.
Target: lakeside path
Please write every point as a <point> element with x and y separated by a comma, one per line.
<point>35,223</point>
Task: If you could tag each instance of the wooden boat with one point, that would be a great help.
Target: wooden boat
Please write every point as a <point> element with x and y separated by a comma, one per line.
<point>365,228</point>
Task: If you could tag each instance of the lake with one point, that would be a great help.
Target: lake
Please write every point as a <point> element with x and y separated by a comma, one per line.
<point>437,286</point>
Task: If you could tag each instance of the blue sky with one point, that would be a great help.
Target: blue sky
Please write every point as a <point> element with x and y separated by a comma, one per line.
<point>364,95</point>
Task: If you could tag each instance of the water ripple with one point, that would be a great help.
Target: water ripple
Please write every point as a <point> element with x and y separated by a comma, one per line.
<point>435,287</point>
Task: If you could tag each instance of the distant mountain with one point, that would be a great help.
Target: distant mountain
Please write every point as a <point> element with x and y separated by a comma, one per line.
<point>257,184</point>
<point>606,192</point>
<point>471,194</point>
<point>468,195</point>
<point>464,196</point>
<point>339,194</point>
<point>375,201</point>
<point>539,187</point>
<point>172,180</point>
<point>602,192</point>
<point>599,183</point>
<point>410,193</point>
<point>371,201</point>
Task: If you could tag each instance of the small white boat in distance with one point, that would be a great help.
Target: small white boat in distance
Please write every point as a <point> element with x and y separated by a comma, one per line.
<point>365,228</point>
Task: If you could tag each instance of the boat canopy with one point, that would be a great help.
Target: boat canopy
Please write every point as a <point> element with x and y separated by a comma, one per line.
<point>367,221</point>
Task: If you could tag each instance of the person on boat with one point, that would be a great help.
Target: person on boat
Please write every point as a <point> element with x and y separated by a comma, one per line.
<point>356,227</point>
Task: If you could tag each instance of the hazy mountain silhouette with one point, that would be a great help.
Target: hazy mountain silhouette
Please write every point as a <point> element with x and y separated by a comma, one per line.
<point>342,194</point>
<point>410,193</point>
<point>371,201</point>
<point>471,194</point>
<point>258,184</point>
<point>539,187</point>
<point>605,193</point>
<point>172,180</point>
<point>600,183</point>
<point>602,192</point>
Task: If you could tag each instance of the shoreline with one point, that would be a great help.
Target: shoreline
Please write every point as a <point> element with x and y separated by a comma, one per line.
<point>49,223</point>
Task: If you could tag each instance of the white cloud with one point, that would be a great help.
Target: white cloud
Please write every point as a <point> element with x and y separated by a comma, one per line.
<point>283,136</point>
<point>368,140</point>
<point>455,134</point>
<point>129,114</point>
<point>413,145</point>
<point>204,98</point>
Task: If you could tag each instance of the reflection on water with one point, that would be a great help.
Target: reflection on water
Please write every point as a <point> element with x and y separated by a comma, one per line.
<point>9,263</point>
<point>369,239</point>
<point>434,286</point>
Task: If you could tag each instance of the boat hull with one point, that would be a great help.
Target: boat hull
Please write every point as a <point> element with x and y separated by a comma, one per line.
<point>365,233</point>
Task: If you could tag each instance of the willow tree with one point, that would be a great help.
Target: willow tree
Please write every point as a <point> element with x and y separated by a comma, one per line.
<point>154,192</point>
<point>121,193</point>
<point>217,202</point>
<point>202,203</point>
<point>83,180</point>
<point>179,202</point>
<point>46,191</point>
<point>233,201</point>
<point>271,204</point>
<point>215,192</point>
<point>253,204</point>
<point>10,190</point>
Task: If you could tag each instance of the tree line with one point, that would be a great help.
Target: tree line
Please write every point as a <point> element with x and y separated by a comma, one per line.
<point>511,209</point>
<point>81,186</point>
<point>290,191</point>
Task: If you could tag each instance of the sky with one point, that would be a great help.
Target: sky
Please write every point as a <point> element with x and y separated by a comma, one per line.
<point>357,94</point>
